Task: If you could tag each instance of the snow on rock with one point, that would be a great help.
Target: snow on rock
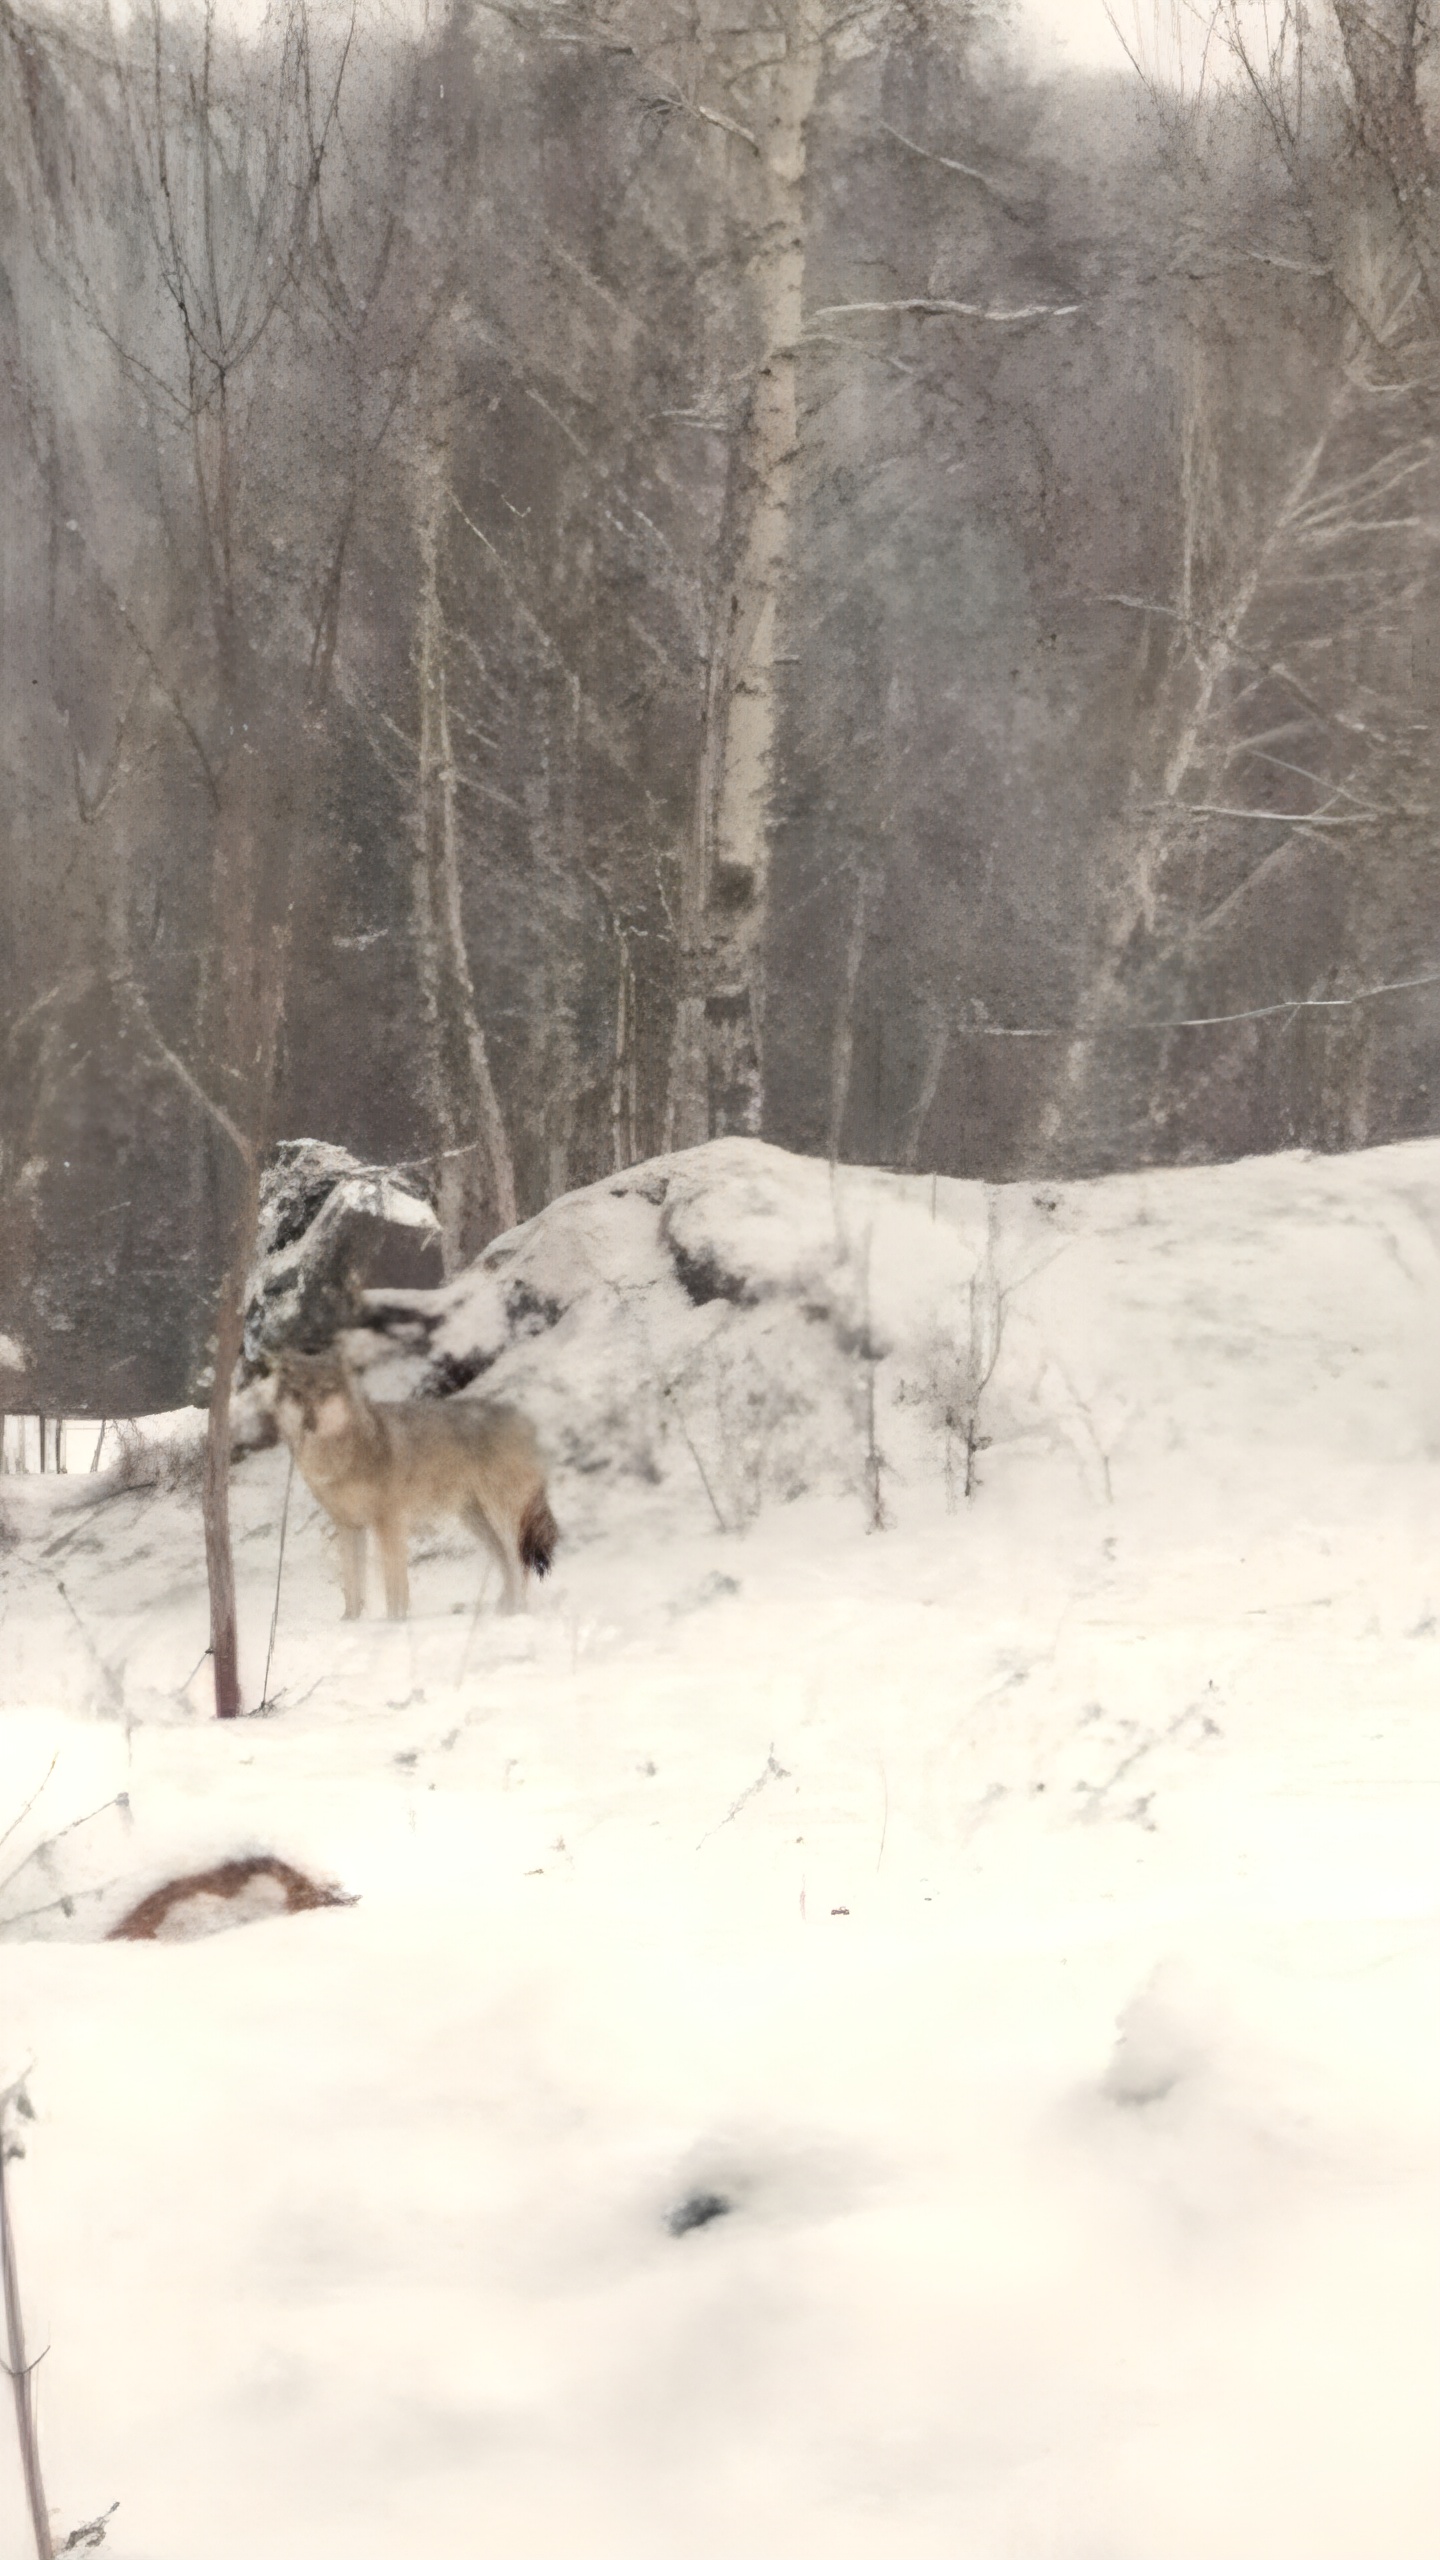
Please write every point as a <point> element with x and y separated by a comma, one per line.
<point>713,1312</point>
<point>741,1313</point>
<point>325,1221</point>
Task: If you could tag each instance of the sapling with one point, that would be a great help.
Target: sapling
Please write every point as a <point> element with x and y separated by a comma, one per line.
<point>959,1371</point>
<point>14,2104</point>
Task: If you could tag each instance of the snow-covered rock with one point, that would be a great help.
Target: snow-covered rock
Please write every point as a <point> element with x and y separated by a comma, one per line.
<point>326,1223</point>
<point>742,1312</point>
<point>714,1311</point>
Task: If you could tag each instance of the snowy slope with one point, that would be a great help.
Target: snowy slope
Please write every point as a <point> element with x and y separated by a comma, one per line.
<point>1022,1917</point>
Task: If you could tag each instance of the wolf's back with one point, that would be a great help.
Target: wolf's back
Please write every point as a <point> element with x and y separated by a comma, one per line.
<point>446,1453</point>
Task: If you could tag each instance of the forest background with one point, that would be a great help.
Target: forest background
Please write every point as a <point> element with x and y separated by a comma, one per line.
<point>580,577</point>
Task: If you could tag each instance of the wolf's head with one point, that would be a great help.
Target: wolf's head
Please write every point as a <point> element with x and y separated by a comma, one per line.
<point>314,1398</point>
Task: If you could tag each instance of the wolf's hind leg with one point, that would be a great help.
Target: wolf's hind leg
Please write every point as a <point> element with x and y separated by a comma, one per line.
<point>490,1535</point>
<point>352,1570</point>
<point>394,1557</point>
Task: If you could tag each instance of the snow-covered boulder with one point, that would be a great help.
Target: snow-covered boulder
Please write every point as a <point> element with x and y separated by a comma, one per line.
<point>714,1312</point>
<point>327,1222</point>
<point>773,1324</point>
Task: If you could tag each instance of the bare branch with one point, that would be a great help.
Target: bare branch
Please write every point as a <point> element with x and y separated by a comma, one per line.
<point>968,1029</point>
<point>927,307</point>
<point>709,115</point>
<point>1270,817</point>
<point>961,168</point>
<point>214,1111</point>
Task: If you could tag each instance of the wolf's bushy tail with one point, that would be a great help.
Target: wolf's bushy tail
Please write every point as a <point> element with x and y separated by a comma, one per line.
<point>539,1535</point>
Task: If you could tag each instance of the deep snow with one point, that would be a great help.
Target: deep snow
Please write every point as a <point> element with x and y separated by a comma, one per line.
<point>1022,1916</point>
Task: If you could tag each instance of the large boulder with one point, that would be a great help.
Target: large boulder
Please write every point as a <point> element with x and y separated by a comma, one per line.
<point>328,1225</point>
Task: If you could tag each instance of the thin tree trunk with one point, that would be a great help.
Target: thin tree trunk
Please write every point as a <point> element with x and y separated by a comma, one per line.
<point>219,1553</point>
<point>842,1046</point>
<point>253,936</point>
<point>623,1147</point>
<point>937,1050</point>
<point>687,1104</point>
<point>475,1168</point>
<point>717,1078</point>
<point>21,2370</point>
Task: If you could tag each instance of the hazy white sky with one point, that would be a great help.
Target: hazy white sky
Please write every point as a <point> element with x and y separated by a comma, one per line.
<point>1078,29</point>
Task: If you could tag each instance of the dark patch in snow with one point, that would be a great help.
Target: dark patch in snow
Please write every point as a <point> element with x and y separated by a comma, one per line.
<point>449,1372</point>
<point>704,1279</point>
<point>400,1315</point>
<point>695,2210</point>
<point>716,1586</point>
<point>530,1311</point>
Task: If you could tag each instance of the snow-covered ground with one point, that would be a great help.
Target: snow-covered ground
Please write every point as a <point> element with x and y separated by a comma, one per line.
<point>1021,1916</point>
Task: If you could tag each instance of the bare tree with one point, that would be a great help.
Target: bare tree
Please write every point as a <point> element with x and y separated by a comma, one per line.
<point>716,1076</point>
<point>1286,733</point>
<point>218,155</point>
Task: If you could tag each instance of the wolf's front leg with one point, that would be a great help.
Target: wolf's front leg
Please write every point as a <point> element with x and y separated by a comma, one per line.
<point>394,1557</point>
<point>352,1570</point>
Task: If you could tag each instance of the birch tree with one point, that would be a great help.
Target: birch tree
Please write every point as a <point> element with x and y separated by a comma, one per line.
<point>717,1072</point>
<point>475,1173</point>
<point>1289,740</point>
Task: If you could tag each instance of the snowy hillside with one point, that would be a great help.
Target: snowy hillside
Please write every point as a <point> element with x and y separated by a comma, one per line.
<point>719,1312</point>
<point>876,2040</point>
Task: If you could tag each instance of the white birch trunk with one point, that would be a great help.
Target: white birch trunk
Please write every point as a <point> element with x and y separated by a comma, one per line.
<point>474,1168</point>
<point>717,1057</point>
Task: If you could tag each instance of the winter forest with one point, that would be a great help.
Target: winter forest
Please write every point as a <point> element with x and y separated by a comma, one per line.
<point>719,950</point>
<point>582,577</point>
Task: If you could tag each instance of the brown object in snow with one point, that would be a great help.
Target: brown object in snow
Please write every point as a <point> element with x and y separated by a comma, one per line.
<point>225,1883</point>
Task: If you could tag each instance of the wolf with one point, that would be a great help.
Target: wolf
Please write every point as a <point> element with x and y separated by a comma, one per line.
<point>388,1467</point>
